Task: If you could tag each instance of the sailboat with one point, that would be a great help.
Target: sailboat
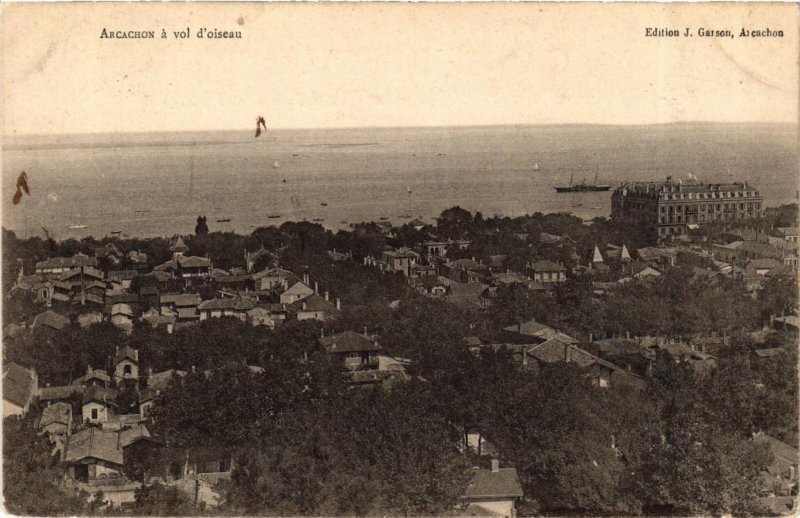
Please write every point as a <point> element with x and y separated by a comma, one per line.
<point>536,166</point>
<point>80,225</point>
<point>275,165</point>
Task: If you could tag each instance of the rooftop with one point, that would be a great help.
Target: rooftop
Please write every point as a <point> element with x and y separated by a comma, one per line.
<point>94,443</point>
<point>503,483</point>
<point>18,383</point>
<point>349,341</point>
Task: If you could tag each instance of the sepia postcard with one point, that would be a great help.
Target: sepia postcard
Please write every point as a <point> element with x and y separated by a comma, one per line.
<point>482,259</point>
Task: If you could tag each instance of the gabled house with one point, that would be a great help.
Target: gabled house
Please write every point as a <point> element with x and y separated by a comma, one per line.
<point>236,307</point>
<point>99,404</point>
<point>298,291</point>
<point>137,258</point>
<point>400,260</point>
<point>122,279</point>
<point>19,389</point>
<point>548,272</point>
<point>602,373</point>
<point>93,377</point>
<point>259,316</point>
<point>93,456</point>
<point>523,331</point>
<point>91,318</point>
<point>56,419</point>
<point>50,320</point>
<point>183,266</point>
<point>64,394</point>
<point>465,270</point>
<point>493,492</point>
<point>355,350</point>
<point>122,317</point>
<point>55,266</point>
<point>126,365</point>
<point>315,307</point>
<point>780,481</point>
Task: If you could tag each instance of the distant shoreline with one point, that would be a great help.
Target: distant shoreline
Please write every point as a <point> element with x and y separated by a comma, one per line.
<point>795,125</point>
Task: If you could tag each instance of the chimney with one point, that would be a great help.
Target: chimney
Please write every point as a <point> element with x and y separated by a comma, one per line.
<point>136,355</point>
<point>149,372</point>
<point>365,331</point>
<point>316,288</point>
<point>117,350</point>
<point>327,296</point>
<point>338,303</point>
<point>495,466</point>
<point>322,333</point>
<point>88,369</point>
<point>304,305</point>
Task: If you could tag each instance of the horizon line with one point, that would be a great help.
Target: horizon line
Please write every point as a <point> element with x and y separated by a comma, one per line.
<point>432,126</point>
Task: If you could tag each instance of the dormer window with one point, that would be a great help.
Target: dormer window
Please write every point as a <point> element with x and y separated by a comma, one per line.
<point>126,370</point>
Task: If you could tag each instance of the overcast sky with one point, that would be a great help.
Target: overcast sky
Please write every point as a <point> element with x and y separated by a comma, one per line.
<point>345,65</point>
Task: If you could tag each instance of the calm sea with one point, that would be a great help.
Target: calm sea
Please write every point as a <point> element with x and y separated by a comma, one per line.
<point>158,183</point>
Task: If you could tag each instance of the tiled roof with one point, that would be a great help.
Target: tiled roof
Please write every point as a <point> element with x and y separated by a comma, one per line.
<point>122,275</point>
<point>553,351</point>
<point>131,435</point>
<point>66,262</point>
<point>526,328</point>
<point>180,299</point>
<point>298,288</point>
<point>465,264</point>
<point>547,266</point>
<point>88,271</point>
<point>56,413</point>
<point>503,483</point>
<point>94,443</point>
<point>193,261</point>
<point>232,303</point>
<point>232,279</point>
<point>18,384</point>
<point>467,295</point>
<point>121,309</point>
<point>348,341</point>
<point>780,449</point>
<point>62,392</point>
<point>50,319</point>
<point>188,313</point>
<point>314,303</point>
<point>100,395</point>
<point>126,352</point>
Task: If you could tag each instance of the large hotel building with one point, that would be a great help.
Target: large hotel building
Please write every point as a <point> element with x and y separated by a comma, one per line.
<point>673,206</point>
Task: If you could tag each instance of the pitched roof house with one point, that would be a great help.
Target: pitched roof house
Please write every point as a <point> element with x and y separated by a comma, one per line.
<point>19,388</point>
<point>493,492</point>
<point>357,351</point>
<point>50,320</point>
<point>603,373</point>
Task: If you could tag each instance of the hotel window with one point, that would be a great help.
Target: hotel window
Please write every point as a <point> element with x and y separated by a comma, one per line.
<point>126,370</point>
<point>94,413</point>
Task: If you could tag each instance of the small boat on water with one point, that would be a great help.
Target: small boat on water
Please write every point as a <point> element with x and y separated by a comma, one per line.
<point>384,218</point>
<point>536,166</point>
<point>583,187</point>
<point>324,204</point>
<point>223,220</point>
<point>273,216</point>
<point>77,227</point>
<point>317,220</point>
<point>116,232</point>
